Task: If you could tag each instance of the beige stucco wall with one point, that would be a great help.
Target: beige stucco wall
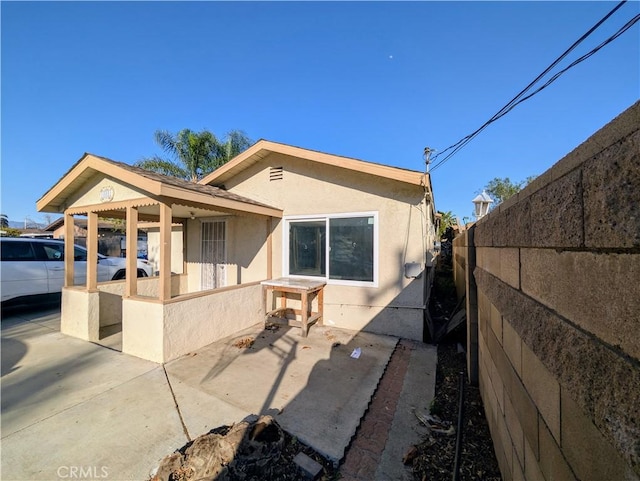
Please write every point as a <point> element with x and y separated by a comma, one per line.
<point>162,332</point>
<point>246,250</point>
<point>143,329</point>
<point>89,194</point>
<point>80,313</point>
<point>177,249</point>
<point>404,226</point>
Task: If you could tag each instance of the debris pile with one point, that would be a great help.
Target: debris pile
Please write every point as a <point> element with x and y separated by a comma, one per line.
<point>245,451</point>
<point>255,449</point>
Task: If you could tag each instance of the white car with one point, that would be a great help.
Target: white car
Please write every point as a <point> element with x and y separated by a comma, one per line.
<point>36,266</point>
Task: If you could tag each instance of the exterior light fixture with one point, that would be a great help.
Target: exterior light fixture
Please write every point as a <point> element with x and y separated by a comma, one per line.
<point>482,203</point>
<point>192,215</point>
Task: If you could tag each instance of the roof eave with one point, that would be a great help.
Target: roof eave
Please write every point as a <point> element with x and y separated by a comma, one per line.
<point>228,170</point>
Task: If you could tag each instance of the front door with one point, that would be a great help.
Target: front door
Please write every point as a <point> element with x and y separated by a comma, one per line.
<point>213,254</point>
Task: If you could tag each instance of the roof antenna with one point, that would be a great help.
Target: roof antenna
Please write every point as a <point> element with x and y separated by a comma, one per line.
<point>427,157</point>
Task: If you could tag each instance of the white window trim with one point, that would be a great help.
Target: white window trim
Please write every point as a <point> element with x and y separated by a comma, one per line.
<point>338,282</point>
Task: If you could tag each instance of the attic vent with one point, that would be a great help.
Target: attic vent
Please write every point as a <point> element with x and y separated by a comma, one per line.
<point>276,173</point>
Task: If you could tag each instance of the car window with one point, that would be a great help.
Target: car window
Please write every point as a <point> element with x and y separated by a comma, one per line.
<point>17,251</point>
<point>53,252</point>
<point>79,254</point>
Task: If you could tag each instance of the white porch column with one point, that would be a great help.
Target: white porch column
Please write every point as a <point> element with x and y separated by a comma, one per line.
<point>92,251</point>
<point>131,283</point>
<point>164,291</point>
<point>69,254</point>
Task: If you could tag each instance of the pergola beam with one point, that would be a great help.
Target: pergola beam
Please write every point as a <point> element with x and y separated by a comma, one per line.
<point>131,283</point>
<point>92,251</point>
<point>164,290</point>
<point>69,250</point>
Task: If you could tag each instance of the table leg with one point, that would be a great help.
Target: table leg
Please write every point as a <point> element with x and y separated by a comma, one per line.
<point>320,306</point>
<point>304,298</point>
<point>265,296</point>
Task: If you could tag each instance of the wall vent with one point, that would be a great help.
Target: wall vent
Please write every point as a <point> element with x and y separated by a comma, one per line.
<point>276,173</point>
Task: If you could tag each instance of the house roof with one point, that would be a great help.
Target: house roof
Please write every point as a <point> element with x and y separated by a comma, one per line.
<point>150,184</point>
<point>262,148</point>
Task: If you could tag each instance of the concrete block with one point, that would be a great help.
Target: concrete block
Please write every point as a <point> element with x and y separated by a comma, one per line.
<point>558,204</point>
<point>623,125</point>
<point>483,235</point>
<point>510,266</point>
<point>498,387</point>
<point>484,312</point>
<point>543,388</point>
<point>580,286</point>
<point>509,202</point>
<point>604,383</point>
<point>526,412</point>
<point>515,430</point>
<point>506,446</point>
<point>552,462</point>
<point>488,258</point>
<point>496,322</point>
<point>503,263</point>
<point>611,183</point>
<point>600,378</point>
<point>309,467</point>
<point>518,470</point>
<point>513,226</point>
<point>512,345</point>
<point>532,470</point>
<point>537,184</point>
<point>492,407</point>
<point>591,457</point>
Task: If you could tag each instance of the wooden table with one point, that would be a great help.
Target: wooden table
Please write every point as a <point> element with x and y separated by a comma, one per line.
<point>307,289</point>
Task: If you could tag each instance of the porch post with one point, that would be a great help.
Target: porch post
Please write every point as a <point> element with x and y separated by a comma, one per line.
<point>92,251</point>
<point>69,254</point>
<point>131,282</point>
<point>164,291</point>
<point>269,248</point>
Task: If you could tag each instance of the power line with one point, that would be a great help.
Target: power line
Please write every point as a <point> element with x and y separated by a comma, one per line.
<point>521,96</point>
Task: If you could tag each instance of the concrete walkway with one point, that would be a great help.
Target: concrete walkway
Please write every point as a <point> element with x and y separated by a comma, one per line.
<point>74,409</point>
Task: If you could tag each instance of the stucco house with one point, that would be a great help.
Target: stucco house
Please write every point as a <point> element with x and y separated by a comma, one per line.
<point>365,230</point>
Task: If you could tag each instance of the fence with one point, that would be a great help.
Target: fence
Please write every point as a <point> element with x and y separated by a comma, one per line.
<point>552,278</point>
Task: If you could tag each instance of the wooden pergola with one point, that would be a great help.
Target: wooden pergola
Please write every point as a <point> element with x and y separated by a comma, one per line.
<point>98,187</point>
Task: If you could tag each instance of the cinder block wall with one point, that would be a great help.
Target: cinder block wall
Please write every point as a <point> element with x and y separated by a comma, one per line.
<point>557,270</point>
<point>459,263</point>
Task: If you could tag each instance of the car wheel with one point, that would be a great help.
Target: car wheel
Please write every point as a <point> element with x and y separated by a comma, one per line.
<point>118,276</point>
<point>142,273</point>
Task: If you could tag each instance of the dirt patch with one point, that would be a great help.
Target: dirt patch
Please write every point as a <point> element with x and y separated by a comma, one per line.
<point>244,343</point>
<point>434,458</point>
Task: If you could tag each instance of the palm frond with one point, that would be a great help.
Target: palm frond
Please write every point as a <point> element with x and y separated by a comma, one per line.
<point>162,166</point>
<point>195,154</point>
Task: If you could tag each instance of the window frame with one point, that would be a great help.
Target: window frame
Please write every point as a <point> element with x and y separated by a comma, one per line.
<point>327,217</point>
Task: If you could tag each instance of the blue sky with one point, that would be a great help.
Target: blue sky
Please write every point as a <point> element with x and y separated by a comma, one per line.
<point>377,81</point>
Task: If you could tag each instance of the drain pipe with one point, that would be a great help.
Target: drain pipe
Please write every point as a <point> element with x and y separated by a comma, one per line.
<point>456,465</point>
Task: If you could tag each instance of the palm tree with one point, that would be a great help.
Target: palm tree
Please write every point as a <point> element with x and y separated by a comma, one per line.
<point>194,154</point>
<point>447,219</point>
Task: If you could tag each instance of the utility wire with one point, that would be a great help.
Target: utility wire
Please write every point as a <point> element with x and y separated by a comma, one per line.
<point>521,96</point>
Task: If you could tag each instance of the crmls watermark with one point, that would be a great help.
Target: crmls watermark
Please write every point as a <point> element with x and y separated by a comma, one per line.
<point>83,472</point>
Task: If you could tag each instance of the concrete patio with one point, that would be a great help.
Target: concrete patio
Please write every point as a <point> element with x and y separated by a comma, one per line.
<point>68,404</point>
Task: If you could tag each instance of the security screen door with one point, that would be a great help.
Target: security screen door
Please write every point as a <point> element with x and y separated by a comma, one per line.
<point>213,254</point>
